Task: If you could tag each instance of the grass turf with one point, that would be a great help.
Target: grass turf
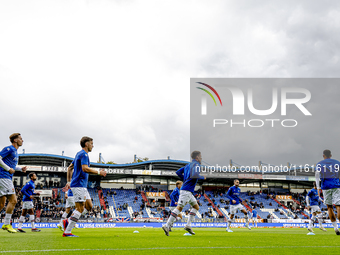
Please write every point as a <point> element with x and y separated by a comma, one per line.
<point>153,241</point>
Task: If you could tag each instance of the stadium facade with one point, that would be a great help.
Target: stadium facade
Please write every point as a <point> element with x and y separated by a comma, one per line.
<point>162,173</point>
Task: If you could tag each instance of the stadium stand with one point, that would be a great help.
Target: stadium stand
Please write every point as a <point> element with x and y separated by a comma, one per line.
<point>132,202</point>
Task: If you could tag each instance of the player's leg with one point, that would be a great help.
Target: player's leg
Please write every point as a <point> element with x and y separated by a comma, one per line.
<point>332,218</point>
<point>338,214</point>
<point>338,211</point>
<point>68,207</point>
<point>88,206</point>
<point>311,221</point>
<point>80,196</point>
<point>22,219</point>
<point>231,219</point>
<point>192,215</point>
<point>32,219</point>
<point>2,202</point>
<point>336,200</point>
<point>12,200</point>
<point>172,218</point>
<point>173,215</point>
<point>320,220</point>
<point>179,217</point>
<point>182,201</point>
<point>332,196</point>
<point>254,222</point>
<point>63,217</point>
<point>69,223</point>
<point>246,218</point>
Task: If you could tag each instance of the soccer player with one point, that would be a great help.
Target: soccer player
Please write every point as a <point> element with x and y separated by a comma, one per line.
<point>174,200</point>
<point>77,178</point>
<point>254,216</point>
<point>235,204</point>
<point>312,201</point>
<point>327,171</point>
<point>8,165</point>
<point>189,175</point>
<point>27,205</point>
<point>69,204</point>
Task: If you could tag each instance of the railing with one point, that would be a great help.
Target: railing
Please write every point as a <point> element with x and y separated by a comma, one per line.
<point>115,207</point>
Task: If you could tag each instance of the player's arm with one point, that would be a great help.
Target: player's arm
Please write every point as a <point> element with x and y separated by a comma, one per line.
<point>180,173</point>
<point>201,177</point>
<point>229,195</point>
<point>89,170</point>
<point>172,195</point>
<point>308,201</point>
<point>176,196</point>
<point>196,172</point>
<point>68,177</point>
<point>70,172</point>
<point>24,191</point>
<point>21,169</point>
<point>6,167</point>
<point>35,193</point>
<point>317,180</point>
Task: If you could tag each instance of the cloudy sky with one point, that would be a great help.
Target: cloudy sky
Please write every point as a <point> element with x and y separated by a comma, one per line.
<point>119,71</point>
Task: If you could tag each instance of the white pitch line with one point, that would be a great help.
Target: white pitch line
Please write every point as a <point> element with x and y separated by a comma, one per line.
<point>169,248</point>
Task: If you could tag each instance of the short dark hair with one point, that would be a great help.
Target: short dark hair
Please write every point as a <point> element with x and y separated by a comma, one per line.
<point>236,180</point>
<point>84,140</point>
<point>314,184</point>
<point>13,136</point>
<point>327,153</point>
<point>31,175</point>
<point>194,154</point>
<point>178,183</point>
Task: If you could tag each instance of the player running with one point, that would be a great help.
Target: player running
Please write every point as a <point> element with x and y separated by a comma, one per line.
<point>327,171</point>
<point>174,200</point>
<point>189,175</point>
<point>27,205</point>
<point>235,204</point>
<point>77,178</point>
<point>8,165</point>
<point>69,204</point>
<point>254,217</point>
<point>312,201</point>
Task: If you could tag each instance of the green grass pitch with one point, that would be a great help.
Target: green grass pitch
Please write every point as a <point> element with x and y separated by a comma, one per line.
<point>153,241</point>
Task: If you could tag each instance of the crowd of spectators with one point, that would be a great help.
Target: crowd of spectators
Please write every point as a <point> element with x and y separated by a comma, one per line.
<point>52,208</point>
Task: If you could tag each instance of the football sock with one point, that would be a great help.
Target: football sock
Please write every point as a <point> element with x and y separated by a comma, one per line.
<point>191,217</point>
<point>335,225</point>
<point>229,223</point>
<point>21,220</point>
<point>7,220</point>
<point>63,217</point>
<point>72,221</point>
<point>32,221</point>
<point>172,217</point>
<point>247,220</point>
<point>320,220</point>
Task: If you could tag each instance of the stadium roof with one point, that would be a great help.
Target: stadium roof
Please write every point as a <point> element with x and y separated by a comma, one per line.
<point>39,159</point>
